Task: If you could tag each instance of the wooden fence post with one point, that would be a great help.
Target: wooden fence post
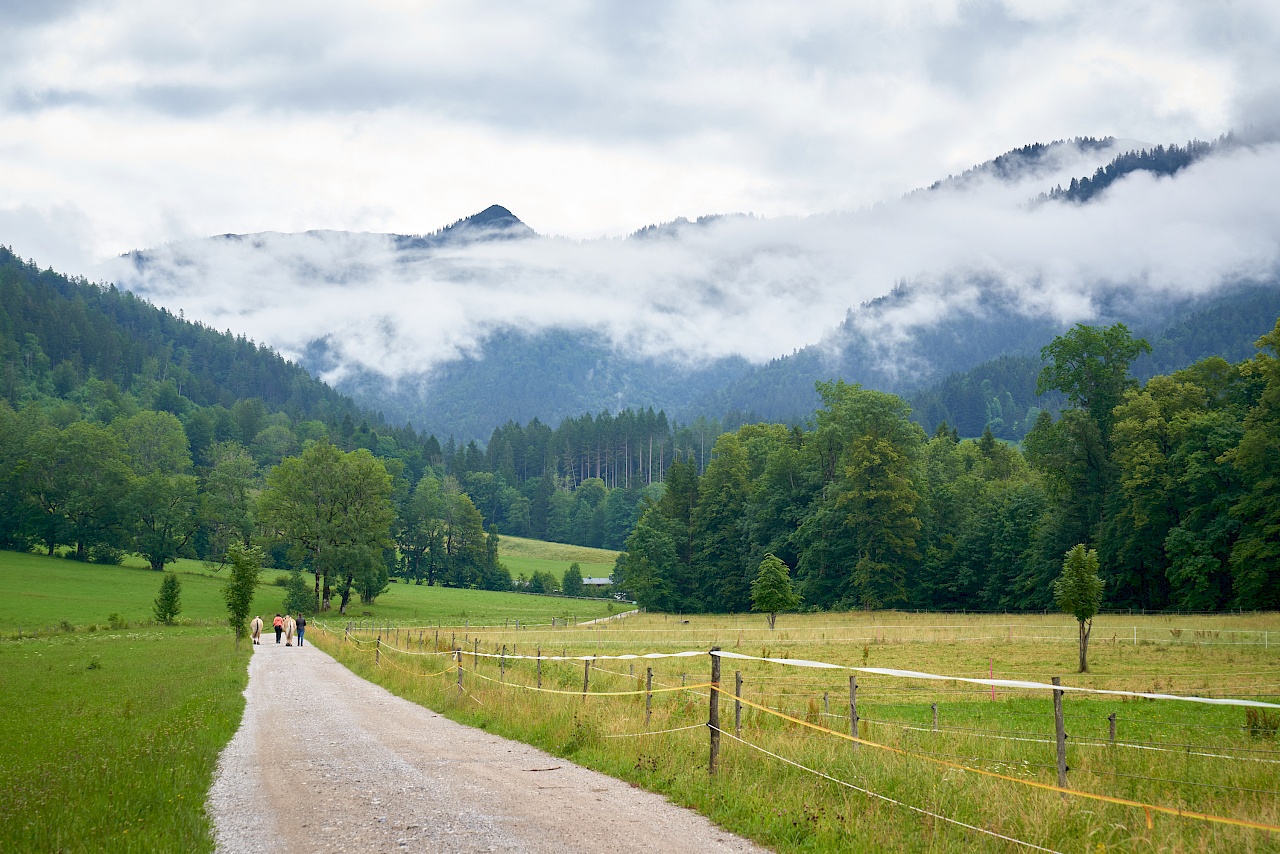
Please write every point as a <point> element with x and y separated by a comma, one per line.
<point>457,652</point>
<point>737,702</point>
<point>377,651</point>
<point>502,665</point>
<point>826,708</point>
<point>586,677</point>
<point>713,719</point>
<point>648,695</point>
<point>1061,734</point>
<point>1112,719</point>
<point>935,717</point>
<point>475,654</point>
<point>853,708</point>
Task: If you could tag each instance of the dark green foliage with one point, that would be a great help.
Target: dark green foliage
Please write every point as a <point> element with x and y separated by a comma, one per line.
<point>169,603</point>
<point>572,584</point>
<point>298,598</point>
<point>771,591</point>
<point>1255,557</point>
<point>246,562</point>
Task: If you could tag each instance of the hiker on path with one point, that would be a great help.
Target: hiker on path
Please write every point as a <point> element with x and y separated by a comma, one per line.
<point>279,624</point>
<point>255,629</point>
<point>302,627</point>
<point>289,628</point>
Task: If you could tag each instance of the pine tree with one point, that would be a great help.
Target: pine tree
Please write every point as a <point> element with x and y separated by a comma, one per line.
<point>169,603</point>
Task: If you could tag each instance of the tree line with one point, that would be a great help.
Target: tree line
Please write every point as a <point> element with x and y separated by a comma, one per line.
<point>1172,482</point>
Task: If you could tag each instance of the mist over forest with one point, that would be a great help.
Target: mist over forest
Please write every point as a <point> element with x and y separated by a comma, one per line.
<point>459,330</point>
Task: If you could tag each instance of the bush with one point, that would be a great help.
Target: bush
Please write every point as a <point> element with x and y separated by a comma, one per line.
<point>116,621</point>
<point>1260,723</point>
<point>105,554</point>
<point>299,598</point>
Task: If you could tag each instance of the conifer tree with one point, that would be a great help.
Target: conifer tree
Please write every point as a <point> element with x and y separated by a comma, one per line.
<point>169,603</point>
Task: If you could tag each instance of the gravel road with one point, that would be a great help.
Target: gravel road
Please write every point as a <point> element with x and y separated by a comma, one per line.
<point>325,761</point>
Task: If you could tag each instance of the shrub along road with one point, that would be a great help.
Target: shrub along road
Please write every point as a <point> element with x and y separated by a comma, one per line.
<point>326,760</point>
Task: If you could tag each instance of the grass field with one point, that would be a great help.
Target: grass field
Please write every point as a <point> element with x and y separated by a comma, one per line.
<point>525,557</point>
<point>1180,755</point>
<point>42,592</point>
<point>109,744</point>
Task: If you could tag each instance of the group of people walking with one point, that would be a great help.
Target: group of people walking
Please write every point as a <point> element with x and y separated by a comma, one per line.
<point>285,625</point>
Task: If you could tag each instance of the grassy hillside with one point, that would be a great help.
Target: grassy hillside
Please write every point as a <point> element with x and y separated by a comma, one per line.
<point>525,557</point>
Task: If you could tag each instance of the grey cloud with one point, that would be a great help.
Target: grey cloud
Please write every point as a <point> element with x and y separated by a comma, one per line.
<point>36,12</point>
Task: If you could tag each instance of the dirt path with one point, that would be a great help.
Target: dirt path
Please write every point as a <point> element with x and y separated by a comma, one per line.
<point>325,761</point>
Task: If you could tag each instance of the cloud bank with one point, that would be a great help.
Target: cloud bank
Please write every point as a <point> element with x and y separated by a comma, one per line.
<point>159,120</point>
<point>740,285</point>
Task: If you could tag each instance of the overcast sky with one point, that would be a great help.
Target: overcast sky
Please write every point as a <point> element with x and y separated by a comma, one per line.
<point>129,124</point>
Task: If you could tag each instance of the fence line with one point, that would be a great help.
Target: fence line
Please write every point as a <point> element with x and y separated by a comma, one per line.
<point>1012,684</point>
<point>717,692</point>
<point>1017,684</point>
<point>1178,811</point>
<point>911,807</point>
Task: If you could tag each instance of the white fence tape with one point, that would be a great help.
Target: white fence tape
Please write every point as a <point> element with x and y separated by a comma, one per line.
<point>997,683</point>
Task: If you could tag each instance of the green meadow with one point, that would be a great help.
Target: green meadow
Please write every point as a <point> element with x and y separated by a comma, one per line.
<point>1183,756</point>
<point>525,557</point>
<point>41,593</point>
<point>109,744</point>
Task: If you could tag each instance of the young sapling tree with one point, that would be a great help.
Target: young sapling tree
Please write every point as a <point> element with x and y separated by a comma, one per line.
<point>1078,591</point>
<point>169,603</point>
<point>772,592</point>
<point>238,594</point>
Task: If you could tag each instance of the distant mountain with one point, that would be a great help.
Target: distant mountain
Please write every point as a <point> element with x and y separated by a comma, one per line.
<point>550,376</point>
<point>460,330</point>
<point>493,223</point>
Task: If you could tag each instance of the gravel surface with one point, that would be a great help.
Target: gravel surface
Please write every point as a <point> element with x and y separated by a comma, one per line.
<point>325,761</point>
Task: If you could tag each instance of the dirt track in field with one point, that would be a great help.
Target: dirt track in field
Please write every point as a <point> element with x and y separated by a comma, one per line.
<point>326,761</point>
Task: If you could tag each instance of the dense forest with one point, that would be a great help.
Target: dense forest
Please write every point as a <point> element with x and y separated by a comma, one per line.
<point>89,372</point>
<point>125,428</point>
<point>1173,482</point>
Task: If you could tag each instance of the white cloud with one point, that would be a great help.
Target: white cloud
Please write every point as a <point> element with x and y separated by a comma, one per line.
<point>741,286</point>
<point>159,119</point>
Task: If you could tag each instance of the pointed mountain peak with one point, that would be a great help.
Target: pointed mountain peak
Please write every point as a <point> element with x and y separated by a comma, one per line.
<point>494,215</point>
<point>493,223</point>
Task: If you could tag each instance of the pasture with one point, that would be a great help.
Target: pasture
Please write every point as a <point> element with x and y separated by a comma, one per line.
<point>109,744</point>
<point>958,782</point>
<point>43,593</point>
<point>525,557</point>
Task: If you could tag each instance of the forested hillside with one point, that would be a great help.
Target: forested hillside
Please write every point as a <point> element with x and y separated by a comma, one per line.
<point>1173,482</point>
<point>110,404</point>
<point>550,376</point>
<point>1001,394</point>
<point>124,428</point>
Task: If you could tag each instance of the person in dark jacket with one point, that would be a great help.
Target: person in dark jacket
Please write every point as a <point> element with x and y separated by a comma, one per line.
<point>302,627</point>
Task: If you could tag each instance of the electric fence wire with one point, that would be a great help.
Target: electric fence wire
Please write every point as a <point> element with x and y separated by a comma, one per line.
<point>879,796</point>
